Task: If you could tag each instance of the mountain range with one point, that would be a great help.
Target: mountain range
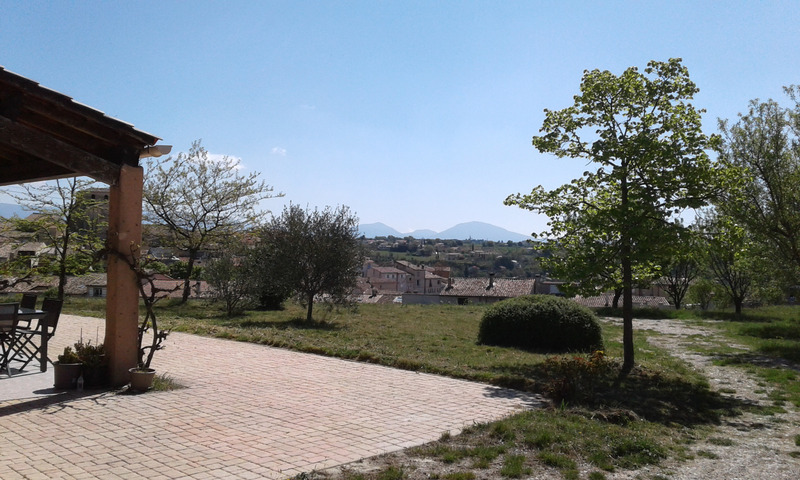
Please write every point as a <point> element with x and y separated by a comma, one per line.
<point>462,231</point>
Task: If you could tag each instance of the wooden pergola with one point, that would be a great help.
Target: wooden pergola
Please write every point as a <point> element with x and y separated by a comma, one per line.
<point>45,135</point>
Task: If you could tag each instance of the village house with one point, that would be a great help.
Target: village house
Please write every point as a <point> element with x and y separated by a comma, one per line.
<point>425,281</point>
<point>463,291</point>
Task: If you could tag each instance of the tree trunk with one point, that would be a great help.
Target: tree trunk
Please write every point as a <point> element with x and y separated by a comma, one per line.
<point>187,289</point>
<point>627,280</point>
<point>62,263</point>
<point>627,312</point>
<point>737,302</point>
<point>615,301</point>
<point>309,317</point>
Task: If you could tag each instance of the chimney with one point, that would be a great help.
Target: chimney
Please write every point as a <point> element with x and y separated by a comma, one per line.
<point>491,281</point>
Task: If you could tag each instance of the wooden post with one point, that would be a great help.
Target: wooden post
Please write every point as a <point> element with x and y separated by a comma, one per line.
<point>122,303</point>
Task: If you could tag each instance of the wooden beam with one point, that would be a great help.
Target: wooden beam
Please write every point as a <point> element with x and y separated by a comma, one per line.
<point>51,150</point>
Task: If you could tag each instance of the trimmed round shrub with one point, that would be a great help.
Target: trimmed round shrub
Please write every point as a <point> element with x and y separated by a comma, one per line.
<point>541,322</point>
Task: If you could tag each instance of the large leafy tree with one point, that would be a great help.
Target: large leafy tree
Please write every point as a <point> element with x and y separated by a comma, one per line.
<point>200,201</point>
<point>731,256</point>
<point>68,219</point>
<point>765,144</point>
<point>646,142</point>
<point>312,253</point>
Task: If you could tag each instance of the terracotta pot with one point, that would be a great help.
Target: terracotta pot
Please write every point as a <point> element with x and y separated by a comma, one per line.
<point>142,379</point>
<point>66,375</point>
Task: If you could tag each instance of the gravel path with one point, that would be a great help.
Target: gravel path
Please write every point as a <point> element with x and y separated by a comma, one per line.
<point>762,445</point>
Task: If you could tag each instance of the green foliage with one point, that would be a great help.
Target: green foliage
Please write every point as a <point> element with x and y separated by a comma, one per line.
<point>514,466</point>
<point>701,292</point>
<point>90,355</point>
<point>230,281</point>
<point>763,143</point>
<point>311,253</point>
<point>618,222</point>
<point>69,356</point>
<point>180,270</point>
<point>576,377</point>
<point>540,322</point>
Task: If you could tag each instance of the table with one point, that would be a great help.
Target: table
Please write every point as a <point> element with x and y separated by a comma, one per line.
<point>41,330</point>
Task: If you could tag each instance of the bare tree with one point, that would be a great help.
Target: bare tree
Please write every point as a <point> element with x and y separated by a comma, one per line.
<point>67,218</point>
<point>200,201</point>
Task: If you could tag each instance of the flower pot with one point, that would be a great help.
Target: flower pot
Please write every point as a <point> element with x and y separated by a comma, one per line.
<point>96,374</point>
<point>142,379</point>
<point>66,375</point>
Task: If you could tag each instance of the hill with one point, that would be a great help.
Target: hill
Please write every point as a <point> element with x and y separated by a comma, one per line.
<point>462,231</point>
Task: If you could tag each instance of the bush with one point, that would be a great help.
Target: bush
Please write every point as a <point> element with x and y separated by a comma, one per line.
<point>541,322</point>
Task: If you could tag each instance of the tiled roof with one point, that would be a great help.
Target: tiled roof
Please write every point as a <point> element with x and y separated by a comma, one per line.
<point>479,287</point>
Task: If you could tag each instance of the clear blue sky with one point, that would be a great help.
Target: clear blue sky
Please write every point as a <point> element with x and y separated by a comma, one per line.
<point>417,114</point>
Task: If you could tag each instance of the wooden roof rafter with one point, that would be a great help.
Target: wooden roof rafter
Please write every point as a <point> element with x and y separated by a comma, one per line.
<point>45,134</point>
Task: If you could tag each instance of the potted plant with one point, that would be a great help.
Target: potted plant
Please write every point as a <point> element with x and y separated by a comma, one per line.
<point>95,363</point>
<point>150,334</point>
<point>67,369</point>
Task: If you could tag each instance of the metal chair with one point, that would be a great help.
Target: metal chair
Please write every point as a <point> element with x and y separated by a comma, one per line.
<point>28,301</point>
<point>8,328</point>
<point>25,337</point>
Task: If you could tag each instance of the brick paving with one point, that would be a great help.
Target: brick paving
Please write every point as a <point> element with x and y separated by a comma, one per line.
<point>248,412</point>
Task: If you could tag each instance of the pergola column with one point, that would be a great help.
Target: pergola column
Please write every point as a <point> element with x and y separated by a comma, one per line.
<point>122,304</point>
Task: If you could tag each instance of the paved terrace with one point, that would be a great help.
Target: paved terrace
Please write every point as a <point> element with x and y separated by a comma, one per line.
<point>248,412</point>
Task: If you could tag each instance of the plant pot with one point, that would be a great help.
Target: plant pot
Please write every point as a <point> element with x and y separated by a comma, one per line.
<point>66,375</point>
<point>95,375</point>
<point>142,379</point>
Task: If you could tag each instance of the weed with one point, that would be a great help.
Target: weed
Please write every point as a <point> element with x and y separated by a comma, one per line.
<point>707,454</point>
<point>722,442</point>
<point>597,476</point>
<point>459,476</point>
<point>556,460</point>
<point>514,466</point>
<point>391,473</point>
<point>797,440</point>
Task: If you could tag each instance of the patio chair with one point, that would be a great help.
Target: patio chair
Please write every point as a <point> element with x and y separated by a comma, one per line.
<point>28,301</point>
<point>25,337</point>
<point>8,327</point>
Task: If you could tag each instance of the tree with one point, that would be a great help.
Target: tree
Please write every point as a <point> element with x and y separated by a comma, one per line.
<point>649,148</point>
<point>68,218</point>
<point>200,201</point>
<point>313,253</point>
<point>230,279</point>
<point>765,144</point>
<point>731,256</point>
<point>681,270</point>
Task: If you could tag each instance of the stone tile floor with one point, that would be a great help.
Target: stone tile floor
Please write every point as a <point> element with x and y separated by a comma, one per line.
<point>248,411</point>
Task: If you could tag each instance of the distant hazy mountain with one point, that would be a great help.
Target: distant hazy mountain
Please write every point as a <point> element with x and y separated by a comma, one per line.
<point>422,234</point>
<point>481,231</point>
<point>372,230</point>
<point>8,210</point>
<point>462,231</point>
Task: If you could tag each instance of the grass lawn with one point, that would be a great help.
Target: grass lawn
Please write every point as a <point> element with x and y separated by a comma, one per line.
<point>656,413</point>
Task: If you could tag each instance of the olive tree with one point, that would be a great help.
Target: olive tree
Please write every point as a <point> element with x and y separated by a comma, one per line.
<point>312,253</point>
<point>645,140</point>
<point>200,201</point>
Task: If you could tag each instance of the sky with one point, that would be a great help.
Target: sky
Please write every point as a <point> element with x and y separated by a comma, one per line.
<point>416,114</point>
